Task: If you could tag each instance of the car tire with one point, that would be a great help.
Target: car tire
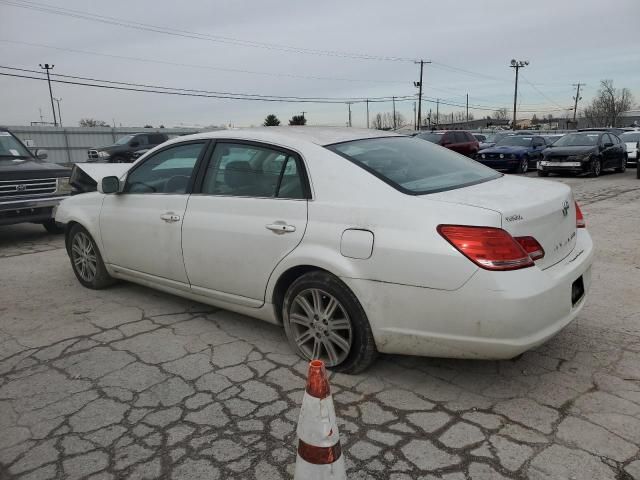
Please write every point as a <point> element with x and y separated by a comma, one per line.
<point>596,168</point>
<point>53,227</point>
<point>623,165</point>
<point>86,260</point>
<point>542,173</point>
<point>523,166</point>
<point>310,334</point>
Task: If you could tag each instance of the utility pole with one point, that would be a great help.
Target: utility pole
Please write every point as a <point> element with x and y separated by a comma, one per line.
<point>419,86</point>
<point>349,105</point>
<point>393,99</point>
<point>414,116</point>
<point>576,98</point>
<point>517,65</point>
<point>58,100</point>
<point>437,111</point>
<point>467,109</point>
<point>48,67</point>
<point>367,113</point>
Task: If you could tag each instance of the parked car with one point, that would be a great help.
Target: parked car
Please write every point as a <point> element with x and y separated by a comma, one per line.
<point>30,188</point>
<point>552,138</point>
<point>515,153</point>
<point>493,138</point>
<point>459,141</point>
<point>122,151</point>
<point>632,142</point>
<point>432,253</point>
<point>481,137</point>
<point>584,152</point>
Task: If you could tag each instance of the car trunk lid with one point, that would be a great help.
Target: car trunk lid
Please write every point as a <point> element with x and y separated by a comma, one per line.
<point>541,209</point>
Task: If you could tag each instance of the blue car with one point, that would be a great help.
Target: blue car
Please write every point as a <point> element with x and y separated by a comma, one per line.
<point>515,153</point>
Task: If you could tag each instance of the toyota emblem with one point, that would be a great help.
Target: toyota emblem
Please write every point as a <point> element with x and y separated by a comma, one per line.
<point>21,188</point>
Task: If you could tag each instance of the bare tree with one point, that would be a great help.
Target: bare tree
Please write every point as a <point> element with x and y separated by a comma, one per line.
<point>92,122</point>
<point>608,104</point>
<point>377,123</point>
<point>501,114</point>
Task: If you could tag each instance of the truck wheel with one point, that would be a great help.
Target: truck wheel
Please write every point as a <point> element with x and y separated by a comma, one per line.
<point>86,260</point>
<point>324,320</point>
<point>54,227</point>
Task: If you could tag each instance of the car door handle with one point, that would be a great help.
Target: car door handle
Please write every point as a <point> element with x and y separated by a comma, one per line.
<point>170,217</point>
<point>281,227</point>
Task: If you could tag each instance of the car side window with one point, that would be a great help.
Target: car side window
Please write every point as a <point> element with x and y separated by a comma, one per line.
<point>539,142</point>
<point>141,139</point>
<point>167,171</point>
<point>156,139</point>
<point>606,139</point>
<point>460,137</point>
<point>448,138</point>
<point>251,171</point>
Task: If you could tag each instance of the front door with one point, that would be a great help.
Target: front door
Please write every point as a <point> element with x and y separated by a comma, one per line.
<point>249,212</point>
<point>140,227</point>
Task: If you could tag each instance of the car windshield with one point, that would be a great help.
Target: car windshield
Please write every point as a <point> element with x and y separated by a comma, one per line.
<point>414,166</point>
<point>577,140</point>
<point>11,150</point>
<point>430,137</point>
<point>124,140</point>
<point>630,137</point>
<point>515,141</point>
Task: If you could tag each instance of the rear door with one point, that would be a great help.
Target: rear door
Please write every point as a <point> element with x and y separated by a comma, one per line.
<point>609,155</point>
<point>247,214</point>
<point>140,227</point>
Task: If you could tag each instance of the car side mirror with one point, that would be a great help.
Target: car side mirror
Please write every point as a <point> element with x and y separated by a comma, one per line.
<point>41,154</point>
<point>134,144</point>
<point>109,185</point>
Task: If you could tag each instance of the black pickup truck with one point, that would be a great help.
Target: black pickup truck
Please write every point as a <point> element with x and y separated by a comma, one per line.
<point>29,187</point>
<point>123,150</point>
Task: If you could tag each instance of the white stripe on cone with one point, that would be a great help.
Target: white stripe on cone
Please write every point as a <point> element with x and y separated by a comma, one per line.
<point>317,426</point>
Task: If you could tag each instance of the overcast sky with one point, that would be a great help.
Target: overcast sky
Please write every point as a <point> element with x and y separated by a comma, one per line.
<point>564,41</point>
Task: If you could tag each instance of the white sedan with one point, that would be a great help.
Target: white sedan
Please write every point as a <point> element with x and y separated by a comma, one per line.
<point>357,241</point>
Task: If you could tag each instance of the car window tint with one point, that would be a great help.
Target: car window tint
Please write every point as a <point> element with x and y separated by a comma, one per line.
<point>141,139</point>
<point>252,171</point>
<point>167,171</point>
<point>156,139</point>
<point>291,182</point>
<point>414,166</point>
<point>460,137</point>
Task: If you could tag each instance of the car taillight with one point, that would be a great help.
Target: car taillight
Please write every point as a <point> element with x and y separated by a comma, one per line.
<point>531,246</point>
<point>580,223</point>
<point>488,247</point>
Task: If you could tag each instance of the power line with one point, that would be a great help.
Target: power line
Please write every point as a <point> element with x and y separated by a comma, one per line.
<point>208,67</point>
<point>287,97</point>
<point>194,35</point>
<point>202,95</point>
<point>542,94</point>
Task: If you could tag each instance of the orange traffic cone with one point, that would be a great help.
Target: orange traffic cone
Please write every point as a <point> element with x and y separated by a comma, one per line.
<point>319,453</point>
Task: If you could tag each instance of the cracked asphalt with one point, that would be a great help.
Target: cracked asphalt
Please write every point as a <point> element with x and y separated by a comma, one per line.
<point>133,383</point>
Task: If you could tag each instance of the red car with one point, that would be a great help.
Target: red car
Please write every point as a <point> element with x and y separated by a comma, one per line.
<point>459,141</point>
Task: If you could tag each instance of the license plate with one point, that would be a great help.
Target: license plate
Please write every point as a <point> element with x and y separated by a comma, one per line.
<point>560,164</point>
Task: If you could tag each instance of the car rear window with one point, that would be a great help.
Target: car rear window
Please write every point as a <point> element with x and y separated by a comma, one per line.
<point>430,137</point>
<point>414,166</point>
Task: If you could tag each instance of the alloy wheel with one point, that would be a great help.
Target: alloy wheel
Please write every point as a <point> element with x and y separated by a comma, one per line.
<point>525,165</point>
<point>321,326</point>
<point>84,256</point>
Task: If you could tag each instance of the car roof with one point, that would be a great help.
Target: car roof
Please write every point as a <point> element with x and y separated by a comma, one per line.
<point>322,136</point>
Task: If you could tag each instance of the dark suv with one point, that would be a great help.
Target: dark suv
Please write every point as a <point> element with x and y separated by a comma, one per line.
<point>459,141</point>
<point>122,151</point>
<point>30,188</point>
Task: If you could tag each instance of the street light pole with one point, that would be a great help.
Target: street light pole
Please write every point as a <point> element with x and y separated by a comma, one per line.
<point>48,67</point>
<point>517,65</point>
<point>58,100</point>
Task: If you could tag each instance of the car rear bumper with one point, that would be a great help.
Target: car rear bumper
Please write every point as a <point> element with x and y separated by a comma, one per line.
<point>495,315</point>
